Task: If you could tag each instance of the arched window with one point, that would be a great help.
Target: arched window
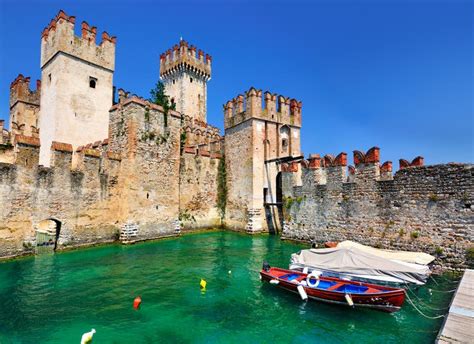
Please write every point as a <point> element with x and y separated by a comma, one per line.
<point>285,137</point>
<point>92,82</point>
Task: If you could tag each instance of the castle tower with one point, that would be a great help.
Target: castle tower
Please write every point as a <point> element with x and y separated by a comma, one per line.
<point>77,90</point>
<point>185,76</point>
<point>24,107</point>
<point>257,140</point>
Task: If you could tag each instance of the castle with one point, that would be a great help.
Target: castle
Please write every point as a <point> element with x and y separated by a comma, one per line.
<point>79,167</point>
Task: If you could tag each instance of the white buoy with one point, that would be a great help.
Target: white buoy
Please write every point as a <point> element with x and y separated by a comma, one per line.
<point>274,281</point>
<point>302,292</point>
<point>349,300</point>
<point>87,337</point>
<point>305,270</point>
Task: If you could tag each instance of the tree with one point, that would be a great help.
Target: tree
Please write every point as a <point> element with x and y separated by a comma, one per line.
<point>159,97</point>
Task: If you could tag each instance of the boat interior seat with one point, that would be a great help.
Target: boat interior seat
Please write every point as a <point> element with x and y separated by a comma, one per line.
<point>335,286</point>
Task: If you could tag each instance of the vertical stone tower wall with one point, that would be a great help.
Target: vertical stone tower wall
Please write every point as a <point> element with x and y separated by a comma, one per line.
<point>255,138</point>
<point>185,76</point>
<point>77,88</point>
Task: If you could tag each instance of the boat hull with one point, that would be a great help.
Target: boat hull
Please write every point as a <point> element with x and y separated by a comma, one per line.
<point>380,298</point>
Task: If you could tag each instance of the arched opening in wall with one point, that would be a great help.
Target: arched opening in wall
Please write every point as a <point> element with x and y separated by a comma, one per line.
<point>47,235</point>
<point>285,138</point>
<point>273,209</point>
<point>92,82</point>
<point>279,190</point>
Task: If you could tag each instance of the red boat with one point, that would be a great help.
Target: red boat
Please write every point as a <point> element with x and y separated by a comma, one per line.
<point>335,290</point>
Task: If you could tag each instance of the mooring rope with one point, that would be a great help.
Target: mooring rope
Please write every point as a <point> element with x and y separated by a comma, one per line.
<point>431,276</point>
<point>443,291</point>
<point>421,313</point>
<point>424,304</point>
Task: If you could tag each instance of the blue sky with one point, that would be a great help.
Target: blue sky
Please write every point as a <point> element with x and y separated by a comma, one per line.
<point>393,74</point>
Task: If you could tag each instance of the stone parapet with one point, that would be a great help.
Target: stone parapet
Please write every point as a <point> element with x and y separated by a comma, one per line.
<point>183,57</point>
<point>59,37</point>
<point>275,108</point>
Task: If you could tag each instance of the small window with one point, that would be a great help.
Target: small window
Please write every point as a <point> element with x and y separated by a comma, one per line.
<point>284,143</point>
<point>92,82</point>
<point>173,81</point>
<point>49,77</point>
<point>191,79</point>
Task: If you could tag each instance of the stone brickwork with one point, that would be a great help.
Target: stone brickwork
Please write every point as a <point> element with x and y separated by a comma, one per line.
<point>185,76</point>
<point>98,189</point>
<point>82,199</point>
<point>425,208</point>
<point>198,187</point>
<point>258,132</point>
<point>77,84</point>
<point>24,107</point>
<point>85,171</point>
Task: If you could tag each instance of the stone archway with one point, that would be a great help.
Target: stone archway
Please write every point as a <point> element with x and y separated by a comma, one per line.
<point>47,235</point>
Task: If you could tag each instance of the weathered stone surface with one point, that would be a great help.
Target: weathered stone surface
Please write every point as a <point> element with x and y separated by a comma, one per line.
<point>425,208</point>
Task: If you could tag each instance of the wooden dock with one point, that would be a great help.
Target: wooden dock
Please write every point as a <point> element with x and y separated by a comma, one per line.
<point>459,325</point>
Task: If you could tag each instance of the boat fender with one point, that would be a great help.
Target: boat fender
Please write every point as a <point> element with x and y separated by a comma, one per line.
<point>349,300</point>
<point>303,283</point>
<point>302,292</point>
<point>274,281</point>
<point>137,302</point>
<point>305,270</point>
<point>203,284</point>
<point>312,280</point>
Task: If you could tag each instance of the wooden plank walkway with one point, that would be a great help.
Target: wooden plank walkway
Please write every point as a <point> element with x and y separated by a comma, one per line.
<point>459,325</point>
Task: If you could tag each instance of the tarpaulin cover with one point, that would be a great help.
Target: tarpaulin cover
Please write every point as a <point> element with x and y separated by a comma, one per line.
<point>404,256</point>
<point>356,262</point>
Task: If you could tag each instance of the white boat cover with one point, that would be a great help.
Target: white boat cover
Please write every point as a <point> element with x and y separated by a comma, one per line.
<point>355,262</point>
<point>403,256</point>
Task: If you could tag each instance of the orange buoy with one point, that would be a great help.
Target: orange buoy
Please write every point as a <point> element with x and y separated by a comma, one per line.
<point>137,302</point>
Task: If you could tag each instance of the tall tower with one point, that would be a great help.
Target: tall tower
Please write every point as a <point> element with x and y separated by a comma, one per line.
<point>24,107</point>
<point>77,90</point>
<point>185,77</point>
<point>257,140</point>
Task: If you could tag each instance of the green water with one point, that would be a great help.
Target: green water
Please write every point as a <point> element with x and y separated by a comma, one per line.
<point>56,298</point>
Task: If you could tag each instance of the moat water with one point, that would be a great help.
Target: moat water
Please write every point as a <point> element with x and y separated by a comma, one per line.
<point>56,298</point>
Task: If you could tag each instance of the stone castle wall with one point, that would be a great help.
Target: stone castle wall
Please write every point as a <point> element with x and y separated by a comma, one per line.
<point>198,189</point>
<point>424,208</point>
<point>83,200</point>
<point>139,176</point>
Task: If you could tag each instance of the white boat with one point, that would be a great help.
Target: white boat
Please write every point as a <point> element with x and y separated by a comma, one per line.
<point>354,263</point>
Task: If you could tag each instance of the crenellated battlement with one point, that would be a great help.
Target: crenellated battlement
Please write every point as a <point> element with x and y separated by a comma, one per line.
<point>197,132</point>
<point>24,107</point>
<point>126,97</point>
<point>20,91</point>
<point>271,107</point>
<point>59,37</point>
<point>213,149</point>
<point>418,161</point>
<point>418,208</point>
<point>367,167</point>
<point>183,57</point>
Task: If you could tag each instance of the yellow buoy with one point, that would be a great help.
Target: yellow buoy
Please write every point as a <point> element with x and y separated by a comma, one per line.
<point>203,283</point>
